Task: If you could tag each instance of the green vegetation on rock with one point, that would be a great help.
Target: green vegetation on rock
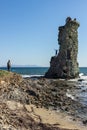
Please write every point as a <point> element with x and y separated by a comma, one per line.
<point>4,73</point>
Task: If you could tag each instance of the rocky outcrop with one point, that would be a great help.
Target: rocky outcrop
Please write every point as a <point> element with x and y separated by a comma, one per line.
<point>65,65</point>
<point>16,94</point>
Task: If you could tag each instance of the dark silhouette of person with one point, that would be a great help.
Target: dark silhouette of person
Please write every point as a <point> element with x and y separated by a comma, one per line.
<point>56,51</point>
<point>8,65</point>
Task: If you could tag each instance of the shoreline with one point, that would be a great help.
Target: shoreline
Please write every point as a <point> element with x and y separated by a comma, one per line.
<point>21,99</point>
<point>66,101</point>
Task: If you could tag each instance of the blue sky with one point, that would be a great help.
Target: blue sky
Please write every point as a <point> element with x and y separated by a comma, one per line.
<point>29,29</point>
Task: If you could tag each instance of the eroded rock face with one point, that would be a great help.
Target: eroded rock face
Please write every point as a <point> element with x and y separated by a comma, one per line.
<point>65,65</point>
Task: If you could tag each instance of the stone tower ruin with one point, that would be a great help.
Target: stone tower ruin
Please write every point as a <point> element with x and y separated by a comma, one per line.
<point>64,64</point>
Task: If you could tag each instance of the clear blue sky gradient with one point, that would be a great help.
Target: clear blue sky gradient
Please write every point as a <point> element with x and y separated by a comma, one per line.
<point>29,29</point>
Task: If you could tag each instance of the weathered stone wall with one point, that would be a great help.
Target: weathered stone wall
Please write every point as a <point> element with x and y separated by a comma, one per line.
<point>65,65</point>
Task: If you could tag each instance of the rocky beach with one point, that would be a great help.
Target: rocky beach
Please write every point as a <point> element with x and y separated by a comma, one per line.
<point>39,104</point>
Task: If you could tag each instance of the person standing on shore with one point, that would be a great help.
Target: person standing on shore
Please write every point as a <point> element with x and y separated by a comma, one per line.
<point>8,65</point>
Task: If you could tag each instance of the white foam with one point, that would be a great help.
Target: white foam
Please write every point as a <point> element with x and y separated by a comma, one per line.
<point>70,96</point>
<point>81,77</point>
<point>81,74</point>
<point>84,77</point>
<point>30,76</point>
<point>25,76</point>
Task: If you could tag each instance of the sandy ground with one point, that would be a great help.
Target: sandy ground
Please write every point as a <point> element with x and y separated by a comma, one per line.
<point>51,117</point>
<point>48,116</point>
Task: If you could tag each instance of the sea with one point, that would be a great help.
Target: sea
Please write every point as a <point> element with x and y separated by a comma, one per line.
<point>28,71</point>
<point>80,93</point>
<point>37,71</point>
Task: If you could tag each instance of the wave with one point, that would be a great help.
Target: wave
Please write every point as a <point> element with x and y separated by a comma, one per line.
<point>31,76</point>
<point>82,77</point>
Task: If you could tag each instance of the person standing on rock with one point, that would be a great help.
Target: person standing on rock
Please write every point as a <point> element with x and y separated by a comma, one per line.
<point>8,65</point>
<point>56,51</point>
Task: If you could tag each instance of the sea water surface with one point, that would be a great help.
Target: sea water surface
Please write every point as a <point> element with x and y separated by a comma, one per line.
<point>28,71</point>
